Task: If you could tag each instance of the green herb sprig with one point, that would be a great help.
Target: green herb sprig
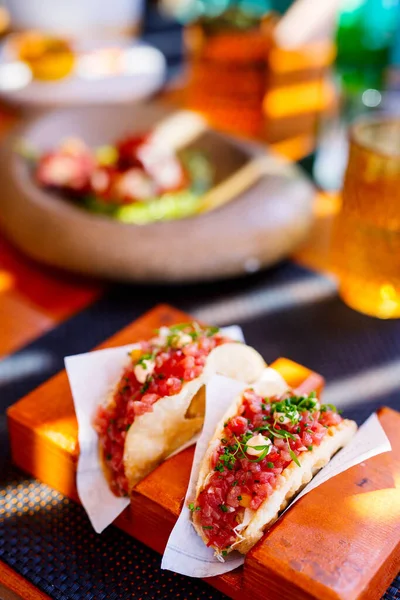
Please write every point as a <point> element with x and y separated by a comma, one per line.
<point>275,432</point>
<point>148,356</point>
<point>328,407</point>
<point>194,330</point>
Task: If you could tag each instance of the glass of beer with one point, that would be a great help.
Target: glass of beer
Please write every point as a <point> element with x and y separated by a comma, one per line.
<point>367,235</point>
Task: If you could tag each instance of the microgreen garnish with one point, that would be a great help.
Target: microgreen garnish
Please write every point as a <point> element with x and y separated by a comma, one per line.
<point>275,432</point>
<point>270,465</point>
<point>304,402</point>
<point>243,447</point>
<point>285,409</point>
<point>228,456</point>
<point>145,358</point>
<point>191,506</point>
<point>174,333</point>
<point>309,448</point>
<point>224,552</point>
<point>207,527</point>
<point>172,339</point>
<point>145,386</point>
<point>224,508</point>
<point>127,427</point>
<point>239,498</point>
<point>219,468</point>
<point>212,331</point>
<point>181,326</point>
<point>294,457</point>
<point>326,407</point>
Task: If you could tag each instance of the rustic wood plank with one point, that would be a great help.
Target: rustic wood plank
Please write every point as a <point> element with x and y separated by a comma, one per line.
<point>341,541</point>
<point>14,587</point>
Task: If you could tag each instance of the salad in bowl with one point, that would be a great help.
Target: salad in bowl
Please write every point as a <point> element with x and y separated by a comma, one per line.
<point>134,180</point>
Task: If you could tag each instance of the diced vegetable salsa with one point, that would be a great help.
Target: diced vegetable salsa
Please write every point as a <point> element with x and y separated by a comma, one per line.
<point>136,180</point>
<point>264,438</point>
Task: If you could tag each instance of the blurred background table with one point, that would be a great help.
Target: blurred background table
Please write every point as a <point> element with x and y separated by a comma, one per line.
<point>34,298</point>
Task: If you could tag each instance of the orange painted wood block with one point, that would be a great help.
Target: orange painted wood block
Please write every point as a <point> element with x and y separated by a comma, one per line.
<point>15,587</point>
<point>341,541</point>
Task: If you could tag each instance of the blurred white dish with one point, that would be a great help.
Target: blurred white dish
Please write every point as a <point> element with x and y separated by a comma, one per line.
<point>76,17</point>
<point>141,73</point>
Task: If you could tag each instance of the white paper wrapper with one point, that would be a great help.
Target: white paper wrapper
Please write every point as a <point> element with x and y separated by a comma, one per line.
<point>92,376</point>
<point>369,441</point>
<point>186,553</point>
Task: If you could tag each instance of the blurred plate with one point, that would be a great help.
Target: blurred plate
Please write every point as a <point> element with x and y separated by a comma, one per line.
<point>258,211</point>
<point>141,73</point>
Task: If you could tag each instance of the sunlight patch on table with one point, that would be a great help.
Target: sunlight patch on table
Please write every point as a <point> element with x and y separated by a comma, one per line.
<point>7,281</point>
<point>267,300</point>
<point>365,385</point>
<point>25,364</point>
<point>380,505</point>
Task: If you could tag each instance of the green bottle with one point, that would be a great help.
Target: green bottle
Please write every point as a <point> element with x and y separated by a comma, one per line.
<point>364,36</point>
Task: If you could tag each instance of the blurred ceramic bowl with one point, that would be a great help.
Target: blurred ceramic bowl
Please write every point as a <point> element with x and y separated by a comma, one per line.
<point>258,222</point>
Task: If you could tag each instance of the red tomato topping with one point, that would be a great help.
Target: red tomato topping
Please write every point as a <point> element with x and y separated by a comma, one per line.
<point>237,425</point>
<point>243,480</point>
<point>128,151</point>
<point>68,168</point>
<point>177,356</point>
<point>141,170</point>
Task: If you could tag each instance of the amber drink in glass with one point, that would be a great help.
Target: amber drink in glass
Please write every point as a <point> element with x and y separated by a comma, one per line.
<point>367,237</point>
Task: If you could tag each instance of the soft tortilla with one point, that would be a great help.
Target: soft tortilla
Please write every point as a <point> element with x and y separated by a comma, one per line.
<point>174,420</point>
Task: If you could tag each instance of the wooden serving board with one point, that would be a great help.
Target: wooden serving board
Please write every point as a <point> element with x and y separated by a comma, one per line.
<point>341,541</point>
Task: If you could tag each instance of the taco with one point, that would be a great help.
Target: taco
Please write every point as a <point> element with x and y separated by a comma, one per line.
<point>158,403</point>
<point>270,443</point>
